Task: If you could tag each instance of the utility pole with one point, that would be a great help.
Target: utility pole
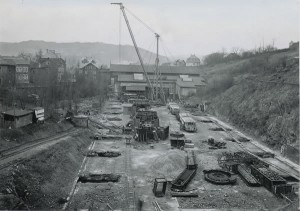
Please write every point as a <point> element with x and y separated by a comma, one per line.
<point>136,48</point>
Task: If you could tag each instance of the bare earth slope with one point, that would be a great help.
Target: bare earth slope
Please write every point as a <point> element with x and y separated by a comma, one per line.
<point>263,97</point>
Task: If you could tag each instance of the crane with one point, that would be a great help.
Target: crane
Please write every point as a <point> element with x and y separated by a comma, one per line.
<point>136,48</point>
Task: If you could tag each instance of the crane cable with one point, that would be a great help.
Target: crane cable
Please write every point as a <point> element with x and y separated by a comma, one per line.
<point>120,35</point>
<point>147,26</point>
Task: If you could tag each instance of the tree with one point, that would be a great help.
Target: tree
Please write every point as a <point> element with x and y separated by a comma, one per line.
<point>214,58</point>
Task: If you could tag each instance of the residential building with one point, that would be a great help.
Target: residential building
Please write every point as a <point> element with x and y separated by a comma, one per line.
<point>294,45</point>
<point>50,68</point>
<point>193,60</point>
<point>179,62</point>
<point>13,71</point>
<point>88,68</point>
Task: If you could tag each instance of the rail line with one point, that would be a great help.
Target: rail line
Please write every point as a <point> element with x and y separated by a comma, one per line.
<point>5,154</point>
<point>129,186</point>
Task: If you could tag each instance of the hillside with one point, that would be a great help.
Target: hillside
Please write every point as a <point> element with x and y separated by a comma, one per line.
<point>73,52</point>
<point>259,95</point>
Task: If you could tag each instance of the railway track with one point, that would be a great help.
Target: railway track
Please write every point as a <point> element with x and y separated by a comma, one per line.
<point>233,135</point>
<point>129,186</point>
<point>10,153</point>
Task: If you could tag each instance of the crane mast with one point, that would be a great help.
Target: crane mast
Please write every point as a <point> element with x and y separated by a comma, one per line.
<point>136,48</point>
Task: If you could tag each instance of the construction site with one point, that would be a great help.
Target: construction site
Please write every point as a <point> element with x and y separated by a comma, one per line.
<point>151,144</point>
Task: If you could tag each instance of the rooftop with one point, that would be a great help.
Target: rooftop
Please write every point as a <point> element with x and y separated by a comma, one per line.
<point>86,61</point>
<point>51,54</point>
<point>190,83</point>
<point>150,69</point>
<point>17,112</point>
<point>193,59</point>
<point>11,60</point>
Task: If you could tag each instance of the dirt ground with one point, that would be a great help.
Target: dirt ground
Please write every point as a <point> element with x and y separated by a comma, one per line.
<point>44,180</point>
<point>164,161</point>
<point>14,137</point>
<point>49,179</point>
<point>167,162</point>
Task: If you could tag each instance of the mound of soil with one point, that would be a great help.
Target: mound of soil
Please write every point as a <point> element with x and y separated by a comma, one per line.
<point>170,165</point>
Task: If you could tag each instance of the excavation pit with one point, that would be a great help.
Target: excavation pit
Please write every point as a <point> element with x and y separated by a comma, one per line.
<point>216,129</point>
<point>103,154</point>
<point>99,178</point>
<point>206,121</point>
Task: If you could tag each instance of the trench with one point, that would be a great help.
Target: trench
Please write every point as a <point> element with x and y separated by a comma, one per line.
<point>103,154</point>
<point>99,178</point>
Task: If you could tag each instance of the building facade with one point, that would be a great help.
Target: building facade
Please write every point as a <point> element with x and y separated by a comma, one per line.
<point>193,60</point>
<point>50,68</point>
<point>131,78</point>
<point>88,68</point>
<point>13,71</point>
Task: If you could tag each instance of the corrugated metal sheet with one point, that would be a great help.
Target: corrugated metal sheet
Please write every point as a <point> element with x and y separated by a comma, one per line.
<point>150,69</point>
<point>135,88</point>
<point>17,112</point>
<point>133,84</point>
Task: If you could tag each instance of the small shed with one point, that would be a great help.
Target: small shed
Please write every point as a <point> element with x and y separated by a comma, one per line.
<point>81,120</point>
<point>17,118</point>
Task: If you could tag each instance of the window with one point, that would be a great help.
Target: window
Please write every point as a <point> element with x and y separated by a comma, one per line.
<point>138,76</point>
<point>184,76</point>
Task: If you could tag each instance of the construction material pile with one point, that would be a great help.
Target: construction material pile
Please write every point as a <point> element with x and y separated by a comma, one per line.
<point>170,165</point>
<point>216,144</point>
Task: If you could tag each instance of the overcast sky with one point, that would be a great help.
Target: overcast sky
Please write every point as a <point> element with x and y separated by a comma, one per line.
<point>186,26</point>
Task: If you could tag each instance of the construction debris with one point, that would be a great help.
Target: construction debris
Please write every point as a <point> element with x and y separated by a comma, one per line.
<point>247,176</point>
<point>216,129</point>
<point>184,194</point>
<point>243,139</point>
<point>216,144</point>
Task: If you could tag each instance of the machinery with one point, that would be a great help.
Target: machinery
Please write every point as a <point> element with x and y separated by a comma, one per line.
<point>146,126</point>
<point>157,74</point>
<point>159,187</point>
<point>188,174</point>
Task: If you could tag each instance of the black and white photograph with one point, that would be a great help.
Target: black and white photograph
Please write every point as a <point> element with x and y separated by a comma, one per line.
<point>149,105</point>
